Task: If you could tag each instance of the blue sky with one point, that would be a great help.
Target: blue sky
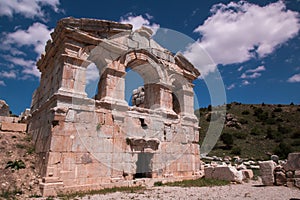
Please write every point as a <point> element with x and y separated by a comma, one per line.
<point>254,45</point>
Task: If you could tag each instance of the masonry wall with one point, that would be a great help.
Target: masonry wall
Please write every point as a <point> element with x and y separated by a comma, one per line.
<point>86,144</point>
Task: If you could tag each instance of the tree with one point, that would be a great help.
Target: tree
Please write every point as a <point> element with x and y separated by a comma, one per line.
<point>227,139</point>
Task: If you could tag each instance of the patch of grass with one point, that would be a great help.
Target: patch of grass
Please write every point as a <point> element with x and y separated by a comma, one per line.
<point>30,150</point>
<point>201,182</point>
<point>17,164</point>
<point>104,191</point>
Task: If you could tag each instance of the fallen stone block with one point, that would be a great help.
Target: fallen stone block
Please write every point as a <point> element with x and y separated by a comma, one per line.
<point>297,182</point>
<point>14,127</point>
<point>293,162</point>
<point>297,174</point>
<point>247,174</point>
<point>280,178</point>
<point>228,173</point>
<point>267,172</point>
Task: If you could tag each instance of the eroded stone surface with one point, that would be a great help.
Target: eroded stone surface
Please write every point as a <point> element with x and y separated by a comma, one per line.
<point>4,108</point>
<point>14,127</point>
<point>228,173</point>
<point>86,143</point>
<point>267,172</point>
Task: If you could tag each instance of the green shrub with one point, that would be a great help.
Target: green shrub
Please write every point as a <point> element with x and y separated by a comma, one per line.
<point>270,121</point>
<point>17,164</point>
<point>270,134</point>
<point>296,135</point>
<point>158,183</point>
<point>278,110</point>
<point>227,139</point>
<point>283,129</point>
<point>236,151</point>
<point>243,121</point>
<point>245,112</point>
<point>228,106</point>
<point>240,135</point>
<point>255,131</point>
<point>282,150</point>
<point>258,111</point>
<point>296,142</point>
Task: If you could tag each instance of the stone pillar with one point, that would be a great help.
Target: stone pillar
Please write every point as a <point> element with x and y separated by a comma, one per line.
<point>73,77</point>
<point>111,88</point>
<point>158,96</point>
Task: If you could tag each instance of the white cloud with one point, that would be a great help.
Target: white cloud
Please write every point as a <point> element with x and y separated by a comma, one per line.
<point>230,87</point>
<point>2,83</point>
<point>254,75</point>
<point>237,32</point>
<point>200,59</point>
<point>258,69</point>
<point>139,21</point>
<point>29,66</point>
<point>92,73</point>
<point>27,8</point>
<point>36,35</point>
<point>240,68</point>
<point>11,74</point>
<point>294,79</point>
<point>245,82</point>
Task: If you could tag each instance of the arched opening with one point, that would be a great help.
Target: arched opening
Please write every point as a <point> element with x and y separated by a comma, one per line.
<point>92,79</point>
<point>133,84</point>
<point>175,104</point>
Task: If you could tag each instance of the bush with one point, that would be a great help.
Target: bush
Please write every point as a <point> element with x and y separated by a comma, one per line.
<point>255,131</point>
<point>236,151</point>
<point>270,121</point>
<point>270,134</point>
<point>296,135</point>
<point>240,135</point>
<point>245,112</point>
<point>209,107</point>
<point>283,130</point>
<point>243,121</point>
<point>296,142</point>
<point>258,111</point>
<point>228,106</point>
<point>282,150</point>
<point>227,139</point>
<point>17,164</point>
<point>278,110</point>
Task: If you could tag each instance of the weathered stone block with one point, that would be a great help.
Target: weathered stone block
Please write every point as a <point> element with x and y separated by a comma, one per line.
<point>280,178</point>
<point>14,127</point>
<point>267,172</point>
<point>293,162</point>
<point>247,173</point>
<point>223,173</point>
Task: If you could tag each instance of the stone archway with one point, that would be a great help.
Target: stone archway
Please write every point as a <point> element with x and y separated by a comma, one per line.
<point>86,143</point>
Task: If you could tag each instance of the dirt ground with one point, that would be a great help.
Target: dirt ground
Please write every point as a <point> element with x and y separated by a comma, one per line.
<point>250,190</point>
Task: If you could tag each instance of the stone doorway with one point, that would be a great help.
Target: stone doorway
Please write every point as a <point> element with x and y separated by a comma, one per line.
<point>144,165</point>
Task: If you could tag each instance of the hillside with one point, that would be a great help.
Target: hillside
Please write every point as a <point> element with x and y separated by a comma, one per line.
<point>255,131</point>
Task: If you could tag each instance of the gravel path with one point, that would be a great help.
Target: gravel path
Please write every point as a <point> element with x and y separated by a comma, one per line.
<point>251,190</point>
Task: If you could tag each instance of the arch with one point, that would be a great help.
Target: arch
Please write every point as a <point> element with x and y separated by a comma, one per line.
<point>146,64</point>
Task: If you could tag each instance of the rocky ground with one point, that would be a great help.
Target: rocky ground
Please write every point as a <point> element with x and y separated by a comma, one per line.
<point>250,190</point>
<point>19,178</point>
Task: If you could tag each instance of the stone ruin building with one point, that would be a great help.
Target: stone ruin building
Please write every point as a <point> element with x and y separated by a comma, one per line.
<point>93,143</point>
